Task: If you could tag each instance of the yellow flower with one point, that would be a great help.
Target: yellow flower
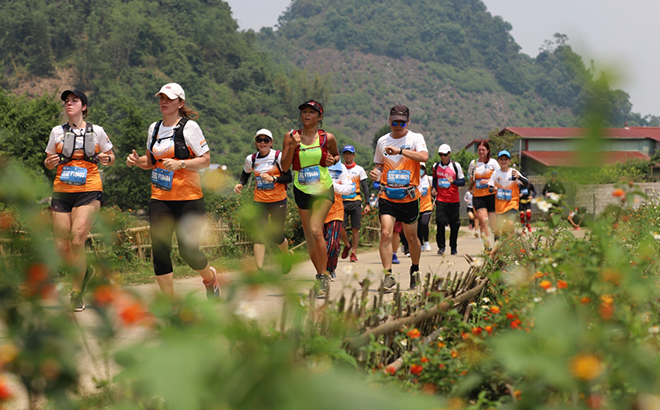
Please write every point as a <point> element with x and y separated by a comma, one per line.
<point>586,366</point>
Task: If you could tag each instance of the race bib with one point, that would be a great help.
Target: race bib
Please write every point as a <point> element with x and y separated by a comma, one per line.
<point>425,191</point>
<point>443,183</point>
<point>481,184</point>
<point>265,185</point>
<point>398,178</point>
<point>504,194</point>
<point>309,175</point>
<point>524,191</point>
<point>74,175</point>
<point>162,179</point>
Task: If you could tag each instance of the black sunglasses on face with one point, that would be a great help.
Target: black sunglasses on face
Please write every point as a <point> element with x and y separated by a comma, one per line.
<point>262,139</point>
<point>444,155</point>
<point>399,123</point>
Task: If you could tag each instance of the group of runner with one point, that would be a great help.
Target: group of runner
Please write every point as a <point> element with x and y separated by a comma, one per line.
<point>331,196</point>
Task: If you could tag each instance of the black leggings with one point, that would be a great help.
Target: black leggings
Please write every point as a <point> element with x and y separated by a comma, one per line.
<point>423,226</point>
<point>274,229</point>
<point>183,216</point>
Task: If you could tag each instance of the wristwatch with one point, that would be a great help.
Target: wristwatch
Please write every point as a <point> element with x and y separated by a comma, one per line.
<point>183,164</point>
<point>274,180</point>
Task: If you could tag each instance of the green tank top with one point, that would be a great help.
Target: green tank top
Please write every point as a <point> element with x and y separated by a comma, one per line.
<point>312,178</point>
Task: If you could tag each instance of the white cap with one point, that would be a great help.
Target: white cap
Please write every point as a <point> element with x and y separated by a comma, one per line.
<point>172,91</point>
<point>444,149</point>
<point>265,132</point>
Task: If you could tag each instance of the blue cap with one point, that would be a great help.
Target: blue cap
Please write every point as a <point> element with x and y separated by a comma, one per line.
<point>504,152</point>
<point>336,167</point>
<point>349,148</point>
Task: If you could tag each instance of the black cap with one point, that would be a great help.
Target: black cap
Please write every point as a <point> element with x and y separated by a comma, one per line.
<point>77,93</point>
<point>399,113</point>
<point>314,104</point>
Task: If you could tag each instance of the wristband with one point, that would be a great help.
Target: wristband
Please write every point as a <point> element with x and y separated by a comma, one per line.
<point>400,151</point>
<point>274,180</point>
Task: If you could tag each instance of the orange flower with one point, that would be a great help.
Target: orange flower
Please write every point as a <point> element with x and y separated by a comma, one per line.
<point>441,345</point>
<point>594,401</point>
<point>454,354</point>
<point>619,193</point>
<point>585,300</point>
<point>489,329</point>
<point>390,370</point>
<point>538,275</point>
<point>413,334</point>
<point>476,330</point>
<point>6,221</point>
<point>424,359</point>
<point>606,311</point>
<point>545,284</point>
<point>495,309</point>
<point>5,392</point>
<point>416,369</point>
<point>517,394</point>
<point>561,284</point>
<point>104,295</point>
<point>586,366</point>
<point>133,313</point>
<point>510,316</point>
<point>607,299</point>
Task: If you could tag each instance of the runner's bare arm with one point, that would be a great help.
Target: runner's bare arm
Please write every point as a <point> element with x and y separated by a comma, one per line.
<point>143,161</point>
<point>333,158</point>
<point>193,164</point>
<point>289,145</point>
<point>107,158</point>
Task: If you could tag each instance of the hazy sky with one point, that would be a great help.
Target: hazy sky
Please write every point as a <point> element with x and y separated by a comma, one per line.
<point>618,35</point>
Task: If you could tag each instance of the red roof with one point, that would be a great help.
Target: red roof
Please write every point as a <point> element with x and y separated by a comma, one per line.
<point>628,133</point>
<point>571,158</point>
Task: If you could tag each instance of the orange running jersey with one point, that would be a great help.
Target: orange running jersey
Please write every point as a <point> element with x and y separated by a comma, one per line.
<point>426,201</point>
<point>507,194</point>
<point>399,171</point>
<point>87,172</point>
<point>266,192</point>
<point>342,185</point>
<point>181,185</point>
<point>481,172</point>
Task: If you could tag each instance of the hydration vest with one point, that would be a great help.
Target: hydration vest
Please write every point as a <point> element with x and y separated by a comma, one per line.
<point>277,154</point>
<point>69,144</point>
<point>323,137</point>
<point>180,147</point>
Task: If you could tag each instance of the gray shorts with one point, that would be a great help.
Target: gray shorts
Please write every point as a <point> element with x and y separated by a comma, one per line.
<point>353,210</point>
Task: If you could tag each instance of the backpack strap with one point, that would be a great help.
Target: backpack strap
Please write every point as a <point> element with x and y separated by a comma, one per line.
<point>254,160</point>
<point>154,135</point>
<point>455,169</point>
<point>180,148</point>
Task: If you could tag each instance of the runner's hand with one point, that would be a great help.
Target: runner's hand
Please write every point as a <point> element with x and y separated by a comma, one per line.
<point>104,159</point>
<point>172,164</point>
<point>51,161</point>
<point>267,177</point>
<point>237,188</point>
<point>132,159</point>
<point>450,179</point>
<point>296,137</point>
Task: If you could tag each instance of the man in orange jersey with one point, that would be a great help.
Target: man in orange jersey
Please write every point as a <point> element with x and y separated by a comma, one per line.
<point>505,182</point>
<point>397,169</point>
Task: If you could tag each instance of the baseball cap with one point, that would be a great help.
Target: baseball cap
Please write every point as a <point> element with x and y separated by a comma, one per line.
<point>311,103</point>
<point>172,91</point>
<point>505,153</point>
<point>264,132</point>
<point>554,172</point>
<point>77,93</point>
<point>444,149</point>
<point>399,113</point>
<point>349,148</point>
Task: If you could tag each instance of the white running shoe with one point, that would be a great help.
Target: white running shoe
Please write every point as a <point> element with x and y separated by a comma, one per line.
<point>427,246</point>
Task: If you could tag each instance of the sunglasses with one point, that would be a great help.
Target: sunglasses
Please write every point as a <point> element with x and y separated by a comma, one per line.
<point>444,155</point>
<point>262,140</point>
<point>399,123</point>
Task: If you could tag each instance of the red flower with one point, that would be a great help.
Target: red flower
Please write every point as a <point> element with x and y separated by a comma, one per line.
<point>495,309</point>
<point>510,316</point>
<point>5,392</point>
<point>416,369</point>
<point>424,359</point>
<point>413,334</point>
<point>606,311</point>
<point>476,330</point>
<point>390,370</point>
<point>618,193</point>
<point>561,284</point>
<point>489,329</point>
<point>133,313</point>
<point>594,401</point>
<point>585,300</point>
<point>104,295</point>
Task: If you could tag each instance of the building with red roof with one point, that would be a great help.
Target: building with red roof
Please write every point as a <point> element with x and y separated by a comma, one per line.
<point>541,149</point>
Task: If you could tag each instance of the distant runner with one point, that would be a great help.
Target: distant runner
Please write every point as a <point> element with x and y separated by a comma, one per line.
<point>353,203</point>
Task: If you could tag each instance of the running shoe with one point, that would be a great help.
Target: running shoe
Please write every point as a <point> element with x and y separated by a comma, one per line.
<point>406,254</point>
<point>414,279</point>
<point>353,257</point>
<point>454,251</point>
<point>427,246</point>
<point>441,251</point>
<point>76,304</point>
<point>212,289</point>
<point>322,286</point>
<point>345,251</point>
<point>333,276</point>
<point>395,260</point>
<point>388,285</point>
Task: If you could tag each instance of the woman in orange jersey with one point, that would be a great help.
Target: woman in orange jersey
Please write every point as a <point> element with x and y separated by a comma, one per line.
<point>480,170</point>
<point>269,193</point>
<point>176,151</point>
<point>75,149</point>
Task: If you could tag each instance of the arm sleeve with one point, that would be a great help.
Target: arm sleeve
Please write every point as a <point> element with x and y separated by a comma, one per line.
<point>245,178</point>
<point>364,189</point>
<point>285,178</point>
<point>460,178</point>
<point>523,179</point>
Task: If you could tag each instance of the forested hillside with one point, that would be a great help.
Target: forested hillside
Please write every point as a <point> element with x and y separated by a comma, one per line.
<point>456,66</point>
